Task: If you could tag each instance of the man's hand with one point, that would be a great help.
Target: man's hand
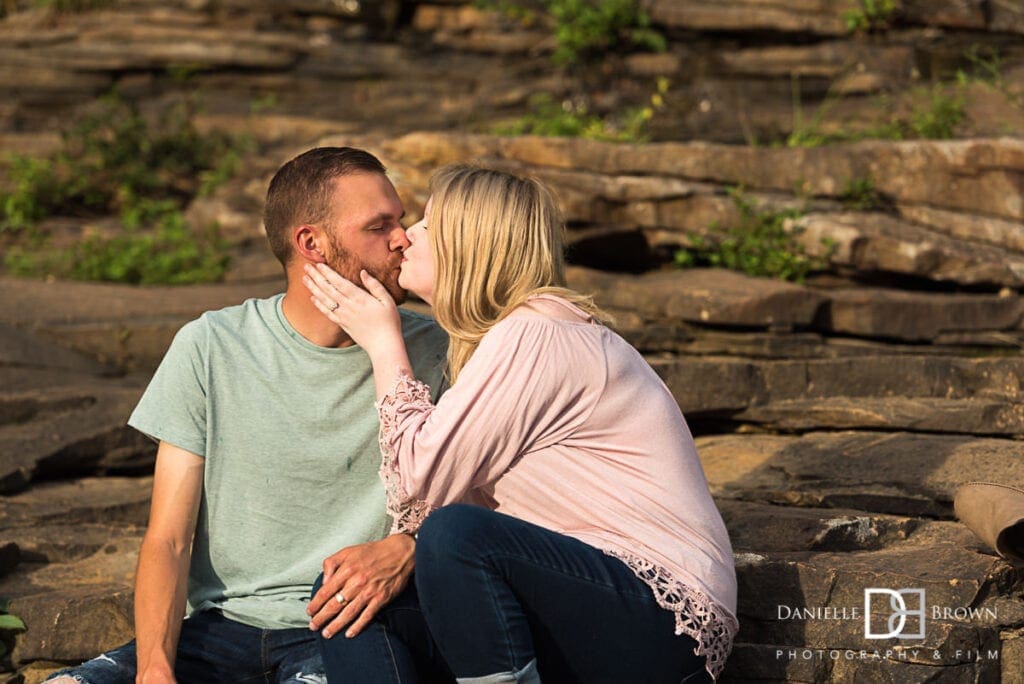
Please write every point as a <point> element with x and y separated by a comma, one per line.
<point>366,577</point>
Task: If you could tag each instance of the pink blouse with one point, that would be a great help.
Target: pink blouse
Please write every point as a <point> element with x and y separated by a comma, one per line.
<point>558,421</point>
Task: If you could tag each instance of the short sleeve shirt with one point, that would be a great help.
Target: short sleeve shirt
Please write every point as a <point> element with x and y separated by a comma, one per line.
<point>289,434</point>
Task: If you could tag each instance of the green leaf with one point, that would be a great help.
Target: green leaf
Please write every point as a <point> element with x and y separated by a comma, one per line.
<point>11,623</point>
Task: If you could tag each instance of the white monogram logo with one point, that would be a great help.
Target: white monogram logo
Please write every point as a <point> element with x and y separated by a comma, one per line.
<point>899,612</point>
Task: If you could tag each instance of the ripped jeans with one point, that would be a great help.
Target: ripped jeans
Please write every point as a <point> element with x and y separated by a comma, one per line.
<point>213,648</point>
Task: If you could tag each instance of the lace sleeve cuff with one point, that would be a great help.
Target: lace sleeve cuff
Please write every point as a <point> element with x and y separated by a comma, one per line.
<point>406,395</point>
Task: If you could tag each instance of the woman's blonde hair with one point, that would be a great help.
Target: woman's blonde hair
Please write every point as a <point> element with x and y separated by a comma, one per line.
<point>497,238</point>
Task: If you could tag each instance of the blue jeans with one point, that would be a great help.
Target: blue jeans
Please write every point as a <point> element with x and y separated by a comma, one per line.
<point>212,649</point>
<point>508,601</point>
<point>395,648</point>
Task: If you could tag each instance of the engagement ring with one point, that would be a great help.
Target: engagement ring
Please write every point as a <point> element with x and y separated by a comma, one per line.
<point>333,309</point>
<point>338,597</point>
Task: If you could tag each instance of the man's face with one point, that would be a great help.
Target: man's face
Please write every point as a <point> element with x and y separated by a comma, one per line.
<point>366,230</point>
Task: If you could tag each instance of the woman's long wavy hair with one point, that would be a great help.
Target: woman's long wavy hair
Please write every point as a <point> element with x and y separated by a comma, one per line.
<point>497,238</point>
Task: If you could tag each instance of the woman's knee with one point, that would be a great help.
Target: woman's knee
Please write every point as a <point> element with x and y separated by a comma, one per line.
<point>453,530</point>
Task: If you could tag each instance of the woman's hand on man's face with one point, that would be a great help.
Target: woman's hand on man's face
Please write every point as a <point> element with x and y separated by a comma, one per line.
<point>370,316</point>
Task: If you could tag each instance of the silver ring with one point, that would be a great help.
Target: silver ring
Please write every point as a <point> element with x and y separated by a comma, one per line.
<point>339,598</point>
<point>335,307</point>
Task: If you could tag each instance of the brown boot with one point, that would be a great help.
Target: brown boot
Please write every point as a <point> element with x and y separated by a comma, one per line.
<point>995,513</point>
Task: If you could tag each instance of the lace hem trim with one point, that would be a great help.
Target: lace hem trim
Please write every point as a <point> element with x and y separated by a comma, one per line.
<point>406,393</point>
<point>697,615</point>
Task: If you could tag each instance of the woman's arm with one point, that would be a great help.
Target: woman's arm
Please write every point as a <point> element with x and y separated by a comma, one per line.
<point>524,387</point>
<point>370,317</point>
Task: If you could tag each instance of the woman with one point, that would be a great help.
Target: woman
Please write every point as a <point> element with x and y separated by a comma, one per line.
<point>594,551</point>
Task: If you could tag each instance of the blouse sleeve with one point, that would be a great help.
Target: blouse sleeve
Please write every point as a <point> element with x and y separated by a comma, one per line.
<point>524,388</point>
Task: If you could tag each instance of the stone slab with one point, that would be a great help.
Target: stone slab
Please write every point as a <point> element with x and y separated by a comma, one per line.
<point>110,501</point>
<point>967,226</point>
<point>72,611</point>
<point>777,589</point>
<point>33,303</point>
<point>717,384</point>
<point>873,242</point>
<point>708,296</point>
<point>981,176</point>
<point>69,541</point>
<point>892,473</point>
<point>91,438</point>
<point>917,414</point>
<point>820,17</point>
<point>22,349</point>
<point>759,528</point>
<point>915,316</point>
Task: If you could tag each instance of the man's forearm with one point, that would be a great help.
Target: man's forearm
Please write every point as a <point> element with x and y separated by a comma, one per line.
<point>160,587</point>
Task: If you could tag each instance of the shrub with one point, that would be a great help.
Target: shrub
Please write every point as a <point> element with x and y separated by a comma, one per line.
<point>569,120</point>
<point>870,15</point>
<point>860,194</point>
<point>938,118</point>
<point>116,161</point>
<point>171,254</point>
<point>761,244</point>
<point>586,28</point>
<point>934,116</point>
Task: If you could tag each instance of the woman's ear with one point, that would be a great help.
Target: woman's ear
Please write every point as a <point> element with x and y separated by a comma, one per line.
<point>309,243</point>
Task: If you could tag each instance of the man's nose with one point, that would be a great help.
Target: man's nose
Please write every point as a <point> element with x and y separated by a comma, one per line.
<point>399,240</point>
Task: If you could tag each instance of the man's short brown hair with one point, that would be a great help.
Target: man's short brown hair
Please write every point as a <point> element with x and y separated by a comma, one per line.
<point>301,191</point>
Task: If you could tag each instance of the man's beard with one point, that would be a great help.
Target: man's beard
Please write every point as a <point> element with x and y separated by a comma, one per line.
<point>348,266</point>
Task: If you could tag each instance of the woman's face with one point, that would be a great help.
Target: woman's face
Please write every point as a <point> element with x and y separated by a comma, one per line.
<point>417,274</point>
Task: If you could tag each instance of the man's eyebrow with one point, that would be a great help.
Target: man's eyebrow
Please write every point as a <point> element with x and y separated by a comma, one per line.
<point>382,216</point>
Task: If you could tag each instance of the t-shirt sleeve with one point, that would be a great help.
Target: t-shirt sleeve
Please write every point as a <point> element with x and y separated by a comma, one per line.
<point>519,392</point>
<point>173,407</point>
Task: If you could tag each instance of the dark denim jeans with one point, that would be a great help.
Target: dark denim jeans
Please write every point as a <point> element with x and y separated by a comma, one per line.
<point>215,649</point>
<point>506,601</point>
<point>395,648</point>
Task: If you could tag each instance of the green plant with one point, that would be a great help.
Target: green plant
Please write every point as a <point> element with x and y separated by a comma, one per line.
<point>870,15</point>
<point>10,626</point>
<point>114,158</point>
<point>116,161</point>
<point>934,115</point>
<point>987,67</point>
<point>171,254</point>
<point>860,194</point>
<point>263,103</point>
<point>551,118</point>
<point>761,244</point>
<point>70,6</point>
<point>223,170</point>
<point>938,118</point>
<point>34,191</point>
<point>587,28</point>
<point>571,120</point>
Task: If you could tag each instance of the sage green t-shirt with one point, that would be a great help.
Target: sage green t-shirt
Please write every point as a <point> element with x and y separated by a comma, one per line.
<point>288,430</point>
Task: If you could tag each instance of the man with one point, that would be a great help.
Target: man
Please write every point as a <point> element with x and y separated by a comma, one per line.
<point>268,457</point>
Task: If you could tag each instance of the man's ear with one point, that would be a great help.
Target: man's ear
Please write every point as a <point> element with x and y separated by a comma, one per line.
<point>309,243</point>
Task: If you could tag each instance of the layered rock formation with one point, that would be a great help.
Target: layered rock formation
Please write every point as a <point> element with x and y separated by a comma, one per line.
<point>835,417</point>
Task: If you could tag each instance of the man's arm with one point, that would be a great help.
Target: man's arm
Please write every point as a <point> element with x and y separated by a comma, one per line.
<point>161,580</point>
<point>368,577</point>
